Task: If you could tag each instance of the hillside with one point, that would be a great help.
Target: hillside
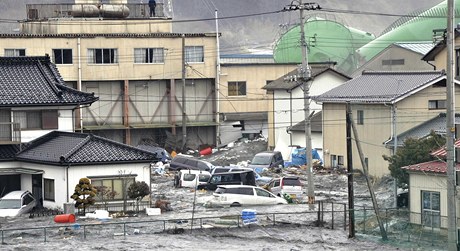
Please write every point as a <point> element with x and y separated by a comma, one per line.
<point>253,31</point>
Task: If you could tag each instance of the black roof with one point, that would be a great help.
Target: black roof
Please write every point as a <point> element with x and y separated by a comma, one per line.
<point>68,148</point>
<point>8,152</point>
<point>35,81</point>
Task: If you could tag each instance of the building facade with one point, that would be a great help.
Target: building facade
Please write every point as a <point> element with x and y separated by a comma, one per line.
<point>151,82</point>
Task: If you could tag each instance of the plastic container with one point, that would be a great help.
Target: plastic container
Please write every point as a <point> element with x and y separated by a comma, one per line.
<point>206,151</point>
<point>64,218</point>
<point>249,216</point>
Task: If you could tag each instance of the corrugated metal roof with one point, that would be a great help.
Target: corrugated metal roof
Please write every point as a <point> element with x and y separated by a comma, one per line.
<point>418,47</point>
<point>436,166</point>
<point>442,152</point>
<point>247,59</point>
<point>380,86</point>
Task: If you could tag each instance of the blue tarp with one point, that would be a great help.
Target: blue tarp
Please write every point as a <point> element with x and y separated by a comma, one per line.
<point>299,157</point>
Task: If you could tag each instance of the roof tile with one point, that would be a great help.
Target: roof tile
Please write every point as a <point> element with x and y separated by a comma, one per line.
<point>33,81</point>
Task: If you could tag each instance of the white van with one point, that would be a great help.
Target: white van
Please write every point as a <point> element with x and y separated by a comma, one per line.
<point>191,178</point>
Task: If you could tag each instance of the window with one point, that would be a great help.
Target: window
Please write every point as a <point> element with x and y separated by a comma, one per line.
<point>431,209</point>
<point>194,54</point>
<point>236,88</point>
<point>45,119</point>
<point>436,104</point>
<point>117,186</point>
<point>393,62</point>
<point>360,119</point>
<point>48,189</point>
<point>102,56</point>
<point>340,161</point>
<point>457,62</point>
<point>263,193</point>
<point>149,55</point>
<point>62,56</point>
<point>15,52</point>
<point>333,160</point>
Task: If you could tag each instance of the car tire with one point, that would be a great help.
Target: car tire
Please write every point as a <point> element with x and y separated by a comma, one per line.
<point>235,204</point>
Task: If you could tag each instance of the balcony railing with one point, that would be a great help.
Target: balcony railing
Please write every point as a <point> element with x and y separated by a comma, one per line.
<point>10,133</point>
<point>112,11</point>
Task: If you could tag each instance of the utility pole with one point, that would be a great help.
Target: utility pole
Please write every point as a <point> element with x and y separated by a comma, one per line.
<point>304,75</point>
<point>351,196</point>
<point>217,83</point>
<point>184,113</point>
<point>450,129</point>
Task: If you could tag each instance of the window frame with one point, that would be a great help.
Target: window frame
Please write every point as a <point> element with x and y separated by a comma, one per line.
<point>16,52</point>
<point>95,53</point>
<point>360,117</point>
<point>63,56</point>
<point>49,189</point>
<point>149,55</point>
<point>36,119</point>
<point>236,90</point>
<point>113,187</point>
<point>436,104</point>
<point>386,62</point>
<point>434,218</point>
<point>194,54</point>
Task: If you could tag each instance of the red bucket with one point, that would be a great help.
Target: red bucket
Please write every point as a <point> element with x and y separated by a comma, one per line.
<point>206,151</point>
<point>64,218</point>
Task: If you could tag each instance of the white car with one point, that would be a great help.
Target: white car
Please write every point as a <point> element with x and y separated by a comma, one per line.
<point>290,185</point>
<point>191,178</point>
<point>16,203</point>
<point>239,195</point>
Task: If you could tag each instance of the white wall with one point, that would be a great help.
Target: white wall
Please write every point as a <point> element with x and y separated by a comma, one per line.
<point>283,108</point>
<point>64,189</point>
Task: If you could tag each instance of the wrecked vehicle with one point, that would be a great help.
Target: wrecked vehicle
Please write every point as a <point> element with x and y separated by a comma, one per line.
<point>229,178</point>
<point>289,185</point>
<point>242,195</point>
<point>181,162</point>
<point>191,178</point>
<point>265,160</point>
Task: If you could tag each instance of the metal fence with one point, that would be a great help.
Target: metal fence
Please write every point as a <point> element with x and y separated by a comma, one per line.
<point>400,231</point>
<point>399,228</point>
<point>328,215</point>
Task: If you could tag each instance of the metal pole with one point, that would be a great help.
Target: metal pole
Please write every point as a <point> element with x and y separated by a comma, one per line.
<point>351,203</point>
<point>184,114</point>
<point>450,128</point>
<point>217,84</point>
<point>395,148</point>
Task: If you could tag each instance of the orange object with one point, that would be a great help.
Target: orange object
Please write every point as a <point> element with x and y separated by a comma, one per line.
<point>206,151</point>
<point>64,218</point>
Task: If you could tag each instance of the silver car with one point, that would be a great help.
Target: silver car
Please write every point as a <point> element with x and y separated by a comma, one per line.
<point>16,203</point>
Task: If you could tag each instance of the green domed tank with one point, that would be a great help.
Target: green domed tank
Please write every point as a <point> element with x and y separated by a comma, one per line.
<point>327,41</point>
<point>417,26</point>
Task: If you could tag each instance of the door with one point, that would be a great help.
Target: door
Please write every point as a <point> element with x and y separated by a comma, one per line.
<point>37,191</point>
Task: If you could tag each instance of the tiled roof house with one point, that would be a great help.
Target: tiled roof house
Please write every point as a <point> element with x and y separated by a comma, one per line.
<point>384,105</point>
<point>40,152</point>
